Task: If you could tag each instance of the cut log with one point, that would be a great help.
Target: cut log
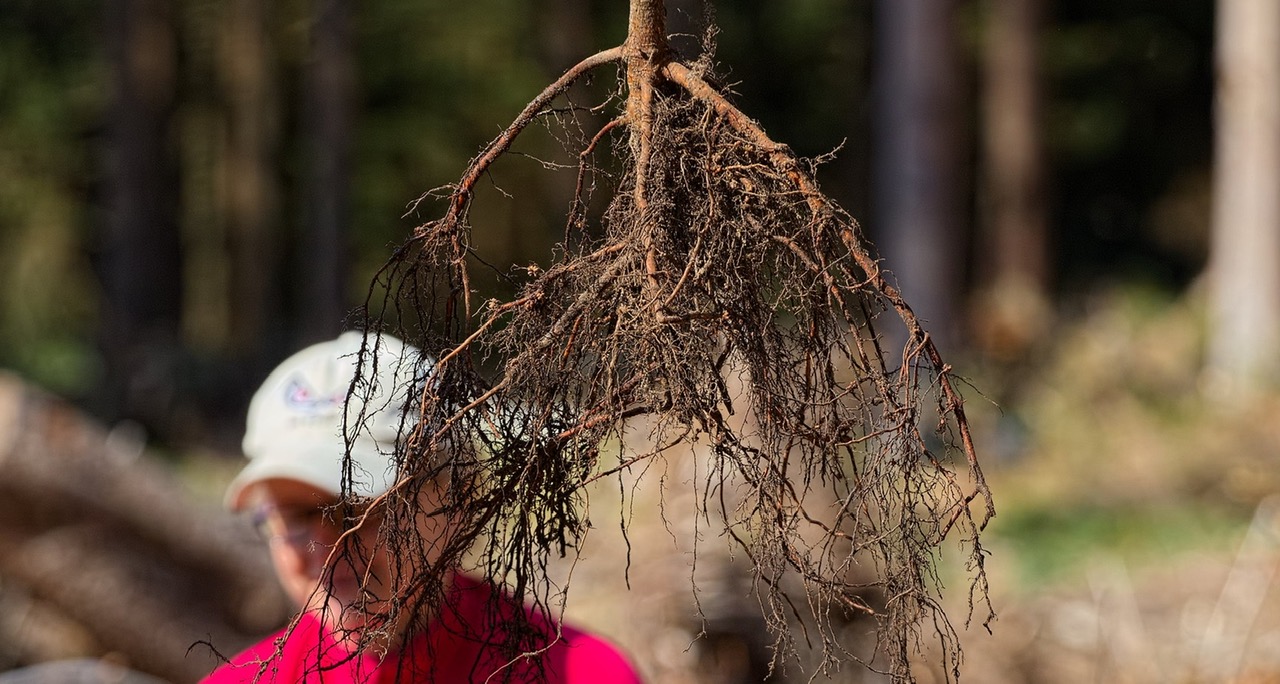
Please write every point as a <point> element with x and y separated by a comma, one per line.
<point>111,539</point>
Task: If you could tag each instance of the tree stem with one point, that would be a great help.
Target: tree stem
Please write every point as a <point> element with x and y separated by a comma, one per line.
<point>646,30</point>
<point>644,52</point>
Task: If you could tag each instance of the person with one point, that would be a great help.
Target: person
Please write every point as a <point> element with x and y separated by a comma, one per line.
<point>327,553</point>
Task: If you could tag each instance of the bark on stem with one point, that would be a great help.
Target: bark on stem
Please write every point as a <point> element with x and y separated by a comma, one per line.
<point>644,52</point>
<point>646,30</point>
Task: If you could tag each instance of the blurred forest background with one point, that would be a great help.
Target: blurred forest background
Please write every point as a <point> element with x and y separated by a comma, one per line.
<point>1080,196</point>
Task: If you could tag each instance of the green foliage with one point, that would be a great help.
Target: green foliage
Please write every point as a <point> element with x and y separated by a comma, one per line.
<point>438,81</point>
<point>51,94</point>
<point>1052,543</point>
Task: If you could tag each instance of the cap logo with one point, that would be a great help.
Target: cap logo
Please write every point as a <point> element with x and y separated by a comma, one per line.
<point>301,397</point>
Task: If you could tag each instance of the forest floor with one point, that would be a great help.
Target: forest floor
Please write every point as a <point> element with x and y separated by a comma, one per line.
<point>1138,538</point>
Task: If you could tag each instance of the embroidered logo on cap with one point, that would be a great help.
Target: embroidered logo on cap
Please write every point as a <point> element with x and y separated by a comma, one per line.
<point>301,397</point>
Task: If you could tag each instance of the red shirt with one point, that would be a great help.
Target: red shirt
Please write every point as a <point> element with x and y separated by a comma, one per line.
<point>457,648</point>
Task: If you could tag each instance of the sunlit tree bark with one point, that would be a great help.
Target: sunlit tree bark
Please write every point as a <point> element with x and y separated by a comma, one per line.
<point>1244,323</point>
<point>918,154</point>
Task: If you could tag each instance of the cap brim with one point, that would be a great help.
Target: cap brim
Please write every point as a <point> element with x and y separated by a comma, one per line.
<point>373,471</point>
<point>315,472</point>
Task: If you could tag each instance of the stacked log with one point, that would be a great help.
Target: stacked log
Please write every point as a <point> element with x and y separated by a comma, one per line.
<point>104,553</point>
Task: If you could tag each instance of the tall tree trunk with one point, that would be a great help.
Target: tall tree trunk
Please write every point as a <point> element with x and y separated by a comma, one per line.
<point>1244,264</point>
<point>252,191</point>
<point>566,33</point>
<point>1014,261</point>
<point>329,97</point>
<point>140,248</point>
<point>918,165</point>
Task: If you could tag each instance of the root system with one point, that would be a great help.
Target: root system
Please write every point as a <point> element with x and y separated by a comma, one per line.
<point>838,471</point>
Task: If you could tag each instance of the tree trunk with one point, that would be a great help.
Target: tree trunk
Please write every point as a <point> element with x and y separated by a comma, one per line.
<point>328,124</point>
<point>566,32</point>
<point>918,166</point>
<point>140,250</point>
<point>646,43</point>
<point>1244,266</point>
<point>252,191</point>
<point>646,27</point>
<point>1014,263</point>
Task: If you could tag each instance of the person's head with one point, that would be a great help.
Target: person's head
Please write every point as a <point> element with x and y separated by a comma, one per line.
<point>320,405</point>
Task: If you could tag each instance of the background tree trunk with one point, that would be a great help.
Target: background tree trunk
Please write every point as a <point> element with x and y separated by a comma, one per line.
<point>140,252</point>
<point>1014,260</point>
<point>328,124</point>
<point>1244,261</point>
<point>252,195</point>
<point>566,33</point>
<point>918,174</point>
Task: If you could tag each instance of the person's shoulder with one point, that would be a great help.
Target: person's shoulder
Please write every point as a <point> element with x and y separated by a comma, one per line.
<point>585,657</point>
<point>250,665</point>
<point>265,661</point>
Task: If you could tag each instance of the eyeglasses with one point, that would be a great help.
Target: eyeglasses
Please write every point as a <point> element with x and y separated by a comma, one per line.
<point>302,527</point>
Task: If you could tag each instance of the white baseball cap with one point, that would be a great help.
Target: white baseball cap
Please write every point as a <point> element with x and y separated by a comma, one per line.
<point>295,431</point>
